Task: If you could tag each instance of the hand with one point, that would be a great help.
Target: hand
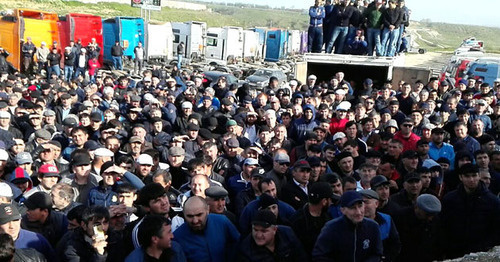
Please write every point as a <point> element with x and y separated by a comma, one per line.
<point>391,27</point>
<point>393,184</point>
<point>115,210</point>
<point>99,244</point>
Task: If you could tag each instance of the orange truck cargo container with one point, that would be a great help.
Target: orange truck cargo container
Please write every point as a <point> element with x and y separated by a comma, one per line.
<point>40,26</point>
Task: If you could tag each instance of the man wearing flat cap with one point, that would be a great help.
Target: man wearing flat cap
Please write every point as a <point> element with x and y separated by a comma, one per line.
<point>418,228</point>
<point>270,241</point>
<point>470,215</point>
<point>349,235</point>
<point>295,192</point>
<point>412,187</point>
<point>216,200</point>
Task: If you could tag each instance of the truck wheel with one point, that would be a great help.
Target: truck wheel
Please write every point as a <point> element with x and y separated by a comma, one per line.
<point>421,51</point>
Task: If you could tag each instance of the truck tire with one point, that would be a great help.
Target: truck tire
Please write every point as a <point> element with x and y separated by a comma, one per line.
<point>421,51</point>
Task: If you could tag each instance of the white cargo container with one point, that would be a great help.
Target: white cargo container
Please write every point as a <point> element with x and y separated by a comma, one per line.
<point>251,47</point>
<point>224,43</point>
<point>193,34</point>
<point>159,42</point>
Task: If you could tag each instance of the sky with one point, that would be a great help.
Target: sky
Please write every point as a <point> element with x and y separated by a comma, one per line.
<point>471,12</point>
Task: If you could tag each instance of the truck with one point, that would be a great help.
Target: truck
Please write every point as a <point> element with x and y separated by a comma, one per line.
<point>262,31</point>
<point>224,44</point>
<point>358,68</point>
<point>129,31</point>
<point>486,68</point>
<point>276,44</point>
<point>73,27</point>
<point>159,42</point>
<point>294,41</point>
<point>251,46</point>
<point>22,23</point>
<point>194,35</point>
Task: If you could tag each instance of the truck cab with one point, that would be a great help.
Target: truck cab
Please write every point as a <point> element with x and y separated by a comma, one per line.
<point>193,34</point>
<point>224,44</point>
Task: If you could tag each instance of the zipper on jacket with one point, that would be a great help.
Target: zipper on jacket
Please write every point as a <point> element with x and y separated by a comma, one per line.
<point>355,236</point>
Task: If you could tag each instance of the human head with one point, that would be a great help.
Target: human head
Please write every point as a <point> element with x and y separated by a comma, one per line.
<point>196,213</point>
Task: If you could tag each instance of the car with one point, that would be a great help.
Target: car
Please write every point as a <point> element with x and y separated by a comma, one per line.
<point>210,78</point>
<point>261,77</point>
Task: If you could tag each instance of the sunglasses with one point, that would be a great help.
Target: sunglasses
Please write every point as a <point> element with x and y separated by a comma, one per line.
<point>407,125</point>
<point>284,164</point>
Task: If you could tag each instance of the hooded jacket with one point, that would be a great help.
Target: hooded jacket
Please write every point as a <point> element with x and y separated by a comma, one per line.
<point>302,125</point>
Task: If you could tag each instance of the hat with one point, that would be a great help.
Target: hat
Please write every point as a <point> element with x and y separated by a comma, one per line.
<point>4,114</point>
<point>462,81</point>
<point>8,212</point>
<point>429,203</point>
<point>310,135</point>
<point>349,198</point>
<point>266,200</point>
<point>373,154</point>
<point>258,172</point>
<point>103,152</point>
<point>43,134</point>
<point>437,130</point>
<point>312,77</point>
<point>205,134</point>
<point>264,218</point>
<point>251,162</point>
<point>176,151</point>
<point>110,167</point>
<point>343,155</point>
<point>481,102</point>
<point>70,122</point>
<point>368,82</point>
<point>145,159</point>
<point>412,177</point>
<point>5,190</point>
<point>428,126</point>
<point>4,156</point>
<point>340,91</point>
<point>409,154</point>
<point>135,98</point>
<point>24,158</point>
<point>193,127</point>
<point>377,181</point>
<point>314,161</point>
<point>368,193</point>
<point>391,123</point>
<point>48,112</point>
<point>96,117</point>
<point>338,135</point>
<point>468,168</point>
<point>216,192</point>
<point>281,158</point>
<point>344,106</point>
<point>320,190</point>
<point>91,145</point>
<point>39,200</point>
<point>135,139</point>
<point>49,170</point>
<point>231,122</point>
<point>186,105</point>
<point>301,164</point>
<point>81,160</point>
<point>233,142</point>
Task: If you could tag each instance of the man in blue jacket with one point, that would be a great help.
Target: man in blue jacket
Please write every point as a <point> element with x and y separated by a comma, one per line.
<point>206,237</point>
<point>315,32</point>
<point>351,237</point>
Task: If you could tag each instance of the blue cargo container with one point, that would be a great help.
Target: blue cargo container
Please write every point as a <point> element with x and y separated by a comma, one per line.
<point>128,30</point>
<point>276,43</point>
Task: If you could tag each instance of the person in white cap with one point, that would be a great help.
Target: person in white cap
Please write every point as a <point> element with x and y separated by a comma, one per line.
<point>101,156</point>
<point>41,57</point>
<point>143,165</point>
<point>311,81</point>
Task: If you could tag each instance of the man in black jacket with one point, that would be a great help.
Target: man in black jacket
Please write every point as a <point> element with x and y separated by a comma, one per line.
<point>116,55</point>
<point>69,62</point>
<point>391,20</point>
<point>295,191</point>
<point>470,216</point>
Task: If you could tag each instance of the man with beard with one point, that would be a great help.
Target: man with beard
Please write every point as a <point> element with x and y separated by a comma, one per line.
<point>204,236</point>
<point>308,221</point>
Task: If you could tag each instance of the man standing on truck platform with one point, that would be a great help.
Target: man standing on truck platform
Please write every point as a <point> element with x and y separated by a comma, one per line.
<point>116,55</point>
<point>28,50</point>
<point>315,32</point>
<point>180,53</point>
<point>140,54</point>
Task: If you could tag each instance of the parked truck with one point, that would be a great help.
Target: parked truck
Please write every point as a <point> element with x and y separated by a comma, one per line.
<point>224,44</point>
<point>159,42</point>
<point>251,46</point>
<point>23,23</point>
<point>129,31</point>
<point>193,34</point>
<point>84,27</point>
<point>294,41</point>
<point>276,44</point>
<point>358,68</point>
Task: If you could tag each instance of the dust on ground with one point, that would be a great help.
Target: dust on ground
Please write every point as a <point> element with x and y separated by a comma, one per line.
<point>432,60</point>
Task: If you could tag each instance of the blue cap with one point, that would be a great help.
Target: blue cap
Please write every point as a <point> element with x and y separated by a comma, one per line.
<point>349,198</point>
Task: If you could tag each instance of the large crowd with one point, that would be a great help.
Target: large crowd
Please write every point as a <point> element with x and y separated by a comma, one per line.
<point>169,166</point>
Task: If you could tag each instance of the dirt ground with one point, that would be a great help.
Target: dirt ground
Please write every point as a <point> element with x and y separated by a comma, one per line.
<point>433,60</point>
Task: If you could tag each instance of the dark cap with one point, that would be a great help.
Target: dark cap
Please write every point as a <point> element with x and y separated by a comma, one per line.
<point>378,181</point>
<point>429,203</point>
<point>258,172</point>
<point>65,96</point>
<point>226,102</point>
<point>264,218</point>
<point>91,145</point>
<point>96,117</point>
<point>468,168</point>
<point>320,190</point>
<point>216,192</point>
<point>301,164</point>
<point>205,134</point>
<point>311,135</point>
<point>412,177</point>
<point>8,212</point>
<point>193,127</point>
<point>437,130</point>
<point>80,160</point>
<point>349,198</point>
<point>368,193</point>
<point>343,155</point>
<point>314,161</point>
<point>266,200</point>
<point>233,142</point>
<point>176,151</point>
<point>39,200</point>
<point>409,154</point>
<point>69,122</point>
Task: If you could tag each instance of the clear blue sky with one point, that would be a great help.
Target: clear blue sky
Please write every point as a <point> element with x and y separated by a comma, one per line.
<point>472,12</point>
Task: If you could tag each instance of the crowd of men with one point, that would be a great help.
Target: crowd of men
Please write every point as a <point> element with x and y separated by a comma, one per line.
<point>358,27</point>
<point>172,167</point>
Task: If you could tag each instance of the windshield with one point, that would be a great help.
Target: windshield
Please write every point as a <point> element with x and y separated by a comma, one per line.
<point>263,72</point>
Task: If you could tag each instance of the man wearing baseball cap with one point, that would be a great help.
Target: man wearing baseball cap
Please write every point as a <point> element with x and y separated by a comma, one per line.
<point>48,175</point>
<point>270,241</point>
<point>239,182</point>
<point>349,235</point>
<point>295,192</point>
<point>10,223</point>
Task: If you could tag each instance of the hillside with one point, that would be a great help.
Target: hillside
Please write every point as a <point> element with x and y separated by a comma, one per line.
<point>431,36</point>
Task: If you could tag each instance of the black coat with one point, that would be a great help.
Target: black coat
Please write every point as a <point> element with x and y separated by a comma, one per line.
<point>470,221</point>
<point>294,195</point>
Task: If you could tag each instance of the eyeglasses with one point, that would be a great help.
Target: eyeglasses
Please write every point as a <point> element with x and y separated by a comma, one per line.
<point>284,164</point>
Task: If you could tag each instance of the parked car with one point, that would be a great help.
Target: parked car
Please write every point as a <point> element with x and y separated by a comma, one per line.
<point>261,77</point>
<point>210,78</point>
